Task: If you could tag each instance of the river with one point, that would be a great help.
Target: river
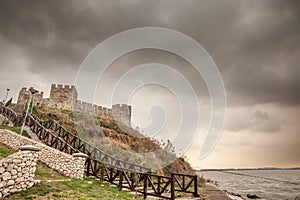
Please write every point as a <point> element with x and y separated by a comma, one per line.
<point>266,184</point>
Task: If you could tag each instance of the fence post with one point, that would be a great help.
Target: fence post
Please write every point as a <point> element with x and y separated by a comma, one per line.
<point>120,179</point>
<point>158,184</point>
<point>196,186</point>
<point>145,185</point>
<point>183,183</point>
<point>172,187</point>
<point>102,173</point>
<point>88,162</point>
<point>150,177</point>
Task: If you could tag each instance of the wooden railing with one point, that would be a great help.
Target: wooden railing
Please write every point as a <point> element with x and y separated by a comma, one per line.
<point>103,166</point>
<point>11,115</point>
<point>89,149</point>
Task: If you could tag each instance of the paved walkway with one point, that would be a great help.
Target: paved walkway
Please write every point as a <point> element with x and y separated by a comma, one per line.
<point>209,192</point>
<point>212,193</point>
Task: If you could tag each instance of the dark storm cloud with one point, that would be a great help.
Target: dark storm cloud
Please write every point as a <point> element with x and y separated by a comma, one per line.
<point>266,55</point>
<point>64,31</point>
<point>254,43</point>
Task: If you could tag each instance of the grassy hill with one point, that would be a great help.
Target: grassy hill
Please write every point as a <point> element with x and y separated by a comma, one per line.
<point>95,127</point>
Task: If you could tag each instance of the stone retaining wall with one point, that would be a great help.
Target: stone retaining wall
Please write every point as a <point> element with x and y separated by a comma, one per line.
<point>17,171</point>
<point>68,165</point>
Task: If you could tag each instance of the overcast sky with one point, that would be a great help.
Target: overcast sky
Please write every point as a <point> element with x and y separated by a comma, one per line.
<point>255,44</point>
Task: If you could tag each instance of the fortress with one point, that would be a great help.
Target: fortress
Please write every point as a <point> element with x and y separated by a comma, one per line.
<point>65,97</point>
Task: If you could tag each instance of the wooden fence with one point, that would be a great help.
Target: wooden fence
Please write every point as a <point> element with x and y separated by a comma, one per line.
<point>105,167</point>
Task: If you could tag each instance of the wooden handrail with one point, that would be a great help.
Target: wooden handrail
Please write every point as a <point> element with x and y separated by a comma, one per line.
<point>121,175</point>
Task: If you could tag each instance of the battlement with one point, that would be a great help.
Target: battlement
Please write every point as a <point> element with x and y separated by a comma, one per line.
<point>122,113</point>
<point>62,87</point>
<point>65,97</point>
<point>121,106</point>
<point>24,96</point>
<point>26,90</point>
<point>92,108</point>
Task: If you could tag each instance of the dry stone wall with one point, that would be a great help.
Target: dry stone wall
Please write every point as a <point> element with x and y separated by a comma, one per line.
<point>17,171</point>
<point>68,165</point>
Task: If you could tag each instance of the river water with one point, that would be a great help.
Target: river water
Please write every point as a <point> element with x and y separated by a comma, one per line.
<point>267,184</point>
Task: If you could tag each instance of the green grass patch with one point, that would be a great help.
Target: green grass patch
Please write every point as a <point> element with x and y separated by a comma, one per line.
<point>44,173</point>
<point>85,189</point>
<point>16,130</point>
<point>61,187</point>
<point>5,151</point>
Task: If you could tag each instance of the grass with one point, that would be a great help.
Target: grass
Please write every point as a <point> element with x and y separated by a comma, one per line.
<point>88,188</point>
<point>5,151</point>
<point>55,186</point>
<point>15,129</point>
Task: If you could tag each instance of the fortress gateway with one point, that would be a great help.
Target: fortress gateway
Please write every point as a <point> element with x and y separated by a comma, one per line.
<point>65,97</point>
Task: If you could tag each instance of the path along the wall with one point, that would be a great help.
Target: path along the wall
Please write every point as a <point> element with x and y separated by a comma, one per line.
<point>68,165</point>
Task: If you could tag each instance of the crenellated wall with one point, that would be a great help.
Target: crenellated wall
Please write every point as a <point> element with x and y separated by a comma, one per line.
<point>92,108</point>
<point>65,97</point>
<point>24,97</point>
<point>62,96</point>
<point>122,113</point>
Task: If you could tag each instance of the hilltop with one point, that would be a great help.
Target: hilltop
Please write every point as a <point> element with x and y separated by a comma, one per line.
<point>76,121</point>
<point>95,127</point>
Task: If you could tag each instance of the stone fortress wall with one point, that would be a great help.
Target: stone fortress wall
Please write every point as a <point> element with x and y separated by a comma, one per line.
<point>66,97</point>
<point>92,108</point>
<point>122,113</point>
<point>62,96</point>
<point>24,97</point>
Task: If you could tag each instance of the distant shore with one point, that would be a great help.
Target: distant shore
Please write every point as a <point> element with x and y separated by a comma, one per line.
<point>247,169</point>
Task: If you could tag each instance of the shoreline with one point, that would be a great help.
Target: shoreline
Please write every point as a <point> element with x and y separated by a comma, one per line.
<point>213,192</point>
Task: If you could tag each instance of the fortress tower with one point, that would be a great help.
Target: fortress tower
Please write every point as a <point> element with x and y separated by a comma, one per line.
<point>62,96</point>
<point>65,97</point>
<point>122,113</point>
<point>24,95</point>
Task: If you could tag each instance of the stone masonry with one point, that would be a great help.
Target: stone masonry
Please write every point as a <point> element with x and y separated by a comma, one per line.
<point>65,97</point>
<point>24,97</point>
<point>17,171</point>
<point>68,165</point>
<point>62,96</point>
<point>122,113</point>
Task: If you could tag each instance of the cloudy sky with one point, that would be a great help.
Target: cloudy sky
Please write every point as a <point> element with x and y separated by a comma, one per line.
<point>255,44</point>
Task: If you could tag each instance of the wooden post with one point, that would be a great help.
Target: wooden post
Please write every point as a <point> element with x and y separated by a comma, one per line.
<point>183,183</point>
<point>150,177</point>
<point>158,184</point>
<point>102,173</point>
<point>111,175</point>
<point>145,185</point>
<point>196,186</point>
<point>120,179</point>
<point>88,160</point>
<point>172,187</point>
